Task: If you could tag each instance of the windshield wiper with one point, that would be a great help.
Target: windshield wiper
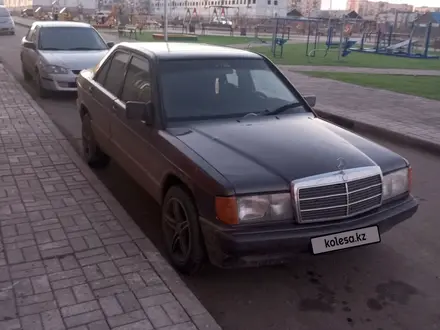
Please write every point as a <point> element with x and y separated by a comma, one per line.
<point>274,111</point>
<point>281,109</point>
<point>84,48</point>
<point>51,48</point>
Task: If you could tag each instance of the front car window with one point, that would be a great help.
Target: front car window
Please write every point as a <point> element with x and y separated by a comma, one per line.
<point>115,73</point>
<point>227,88</point>
<point>70,38</point>
<point>137,86</point>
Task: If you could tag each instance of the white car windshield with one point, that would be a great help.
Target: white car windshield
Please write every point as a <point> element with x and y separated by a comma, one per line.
<point>226,88</point>
<point>70,38</point>
<point>4,12</point>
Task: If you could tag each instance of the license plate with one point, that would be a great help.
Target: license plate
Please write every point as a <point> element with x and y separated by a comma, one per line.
<point>345,240</point>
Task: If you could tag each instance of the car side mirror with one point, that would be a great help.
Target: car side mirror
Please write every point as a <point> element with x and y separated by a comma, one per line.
<point>140,111</point>
<point>110,44</point>
<point>311,100</point>
<point>29,44</point>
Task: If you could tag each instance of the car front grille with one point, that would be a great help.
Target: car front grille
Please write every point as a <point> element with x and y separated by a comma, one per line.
<point>337,195</point>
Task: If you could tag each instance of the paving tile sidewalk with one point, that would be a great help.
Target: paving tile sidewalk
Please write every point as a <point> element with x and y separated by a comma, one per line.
<point>405,72</point>
<point>70,257</point>
<point>404,117</point>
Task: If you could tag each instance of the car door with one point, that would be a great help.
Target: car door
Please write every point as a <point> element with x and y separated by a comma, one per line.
<point>34,55</point>
<point>133,139</point>
<point>28,54</point>
<point>100,95</point>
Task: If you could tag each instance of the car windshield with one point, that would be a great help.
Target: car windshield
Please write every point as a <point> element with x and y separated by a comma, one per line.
<point>70,38</point>
<point>222,88</point>
<point>4,12</point>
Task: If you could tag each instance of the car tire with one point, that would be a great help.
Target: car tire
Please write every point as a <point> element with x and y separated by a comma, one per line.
<point>181,231</point>
<point>41,91</point>
<point>27,76</point>
<point>92,154</point>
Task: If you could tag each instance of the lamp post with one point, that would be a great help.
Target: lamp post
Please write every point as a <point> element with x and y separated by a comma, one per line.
<point>165,19</point>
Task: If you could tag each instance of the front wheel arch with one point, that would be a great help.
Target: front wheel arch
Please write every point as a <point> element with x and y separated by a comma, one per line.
<point>83,111</point>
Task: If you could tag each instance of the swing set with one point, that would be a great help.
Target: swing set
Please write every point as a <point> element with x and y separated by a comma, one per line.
<point>343,46</point>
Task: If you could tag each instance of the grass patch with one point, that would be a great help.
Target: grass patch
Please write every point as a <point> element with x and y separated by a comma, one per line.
<point>423,86</point>
<point>295,54</point>
<point>207,39</point>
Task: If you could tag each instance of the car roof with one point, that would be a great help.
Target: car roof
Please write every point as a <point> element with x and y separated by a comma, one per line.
<point>61,24</point>
<point>182,50</point>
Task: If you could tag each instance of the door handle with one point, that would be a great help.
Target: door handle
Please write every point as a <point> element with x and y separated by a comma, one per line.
<point>91,89</point>
<point>114,108</point>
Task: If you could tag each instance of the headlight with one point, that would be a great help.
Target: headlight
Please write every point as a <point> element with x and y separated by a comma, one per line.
<point>248,209</point>
<point>396,183</point>
<point>55,69</point>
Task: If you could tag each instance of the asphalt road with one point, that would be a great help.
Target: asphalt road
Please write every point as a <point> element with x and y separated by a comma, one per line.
<point>387,286</point>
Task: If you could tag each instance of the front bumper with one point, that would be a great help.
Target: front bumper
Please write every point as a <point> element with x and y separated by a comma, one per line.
<point>243,246</point>
<point>59,82</point>
<point>7,29</point>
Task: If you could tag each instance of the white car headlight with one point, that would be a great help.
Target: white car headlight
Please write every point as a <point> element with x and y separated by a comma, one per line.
<point>264,207</point>
<point>55,69</point>
<point>396,183</point>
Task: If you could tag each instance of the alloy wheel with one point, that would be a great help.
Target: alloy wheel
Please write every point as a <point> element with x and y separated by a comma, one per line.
<point>177,231</point>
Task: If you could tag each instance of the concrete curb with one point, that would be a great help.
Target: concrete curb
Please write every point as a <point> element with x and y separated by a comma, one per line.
<point>359,127</point>
<point>197,312</point>
<point>21,24</point>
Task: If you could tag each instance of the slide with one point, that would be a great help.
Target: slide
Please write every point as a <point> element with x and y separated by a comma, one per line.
<point>399,45</point>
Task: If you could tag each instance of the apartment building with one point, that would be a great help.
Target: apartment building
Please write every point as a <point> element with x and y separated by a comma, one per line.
<point>425,9</point>
<point>226,8</point>
<point>305,7</point>
<point>21,4</point>
<point>372,8</point>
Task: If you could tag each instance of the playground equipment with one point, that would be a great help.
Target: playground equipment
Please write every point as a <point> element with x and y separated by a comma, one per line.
<point>220,15</point>
<point>65,15</point>
<point>407,48</point>
<point>190,20</point>
<point>281,33</point>
<point>343,45</point>
<point>39,14</point>
<point>218,23</point>
<point>106,19</point>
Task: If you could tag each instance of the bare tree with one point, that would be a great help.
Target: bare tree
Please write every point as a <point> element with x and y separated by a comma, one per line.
<point>147,5</point>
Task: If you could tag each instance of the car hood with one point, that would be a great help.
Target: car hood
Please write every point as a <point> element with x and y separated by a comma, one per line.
<point>6,20</point>
<point>74,60</point>
<point>268,153</point>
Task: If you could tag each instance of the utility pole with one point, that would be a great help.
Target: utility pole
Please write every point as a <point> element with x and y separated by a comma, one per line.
<point>165,18</point>
<point>395,20</point>
<point>330,15</point>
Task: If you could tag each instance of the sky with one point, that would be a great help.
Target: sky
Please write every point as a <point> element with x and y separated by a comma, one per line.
<point>341,4</point>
